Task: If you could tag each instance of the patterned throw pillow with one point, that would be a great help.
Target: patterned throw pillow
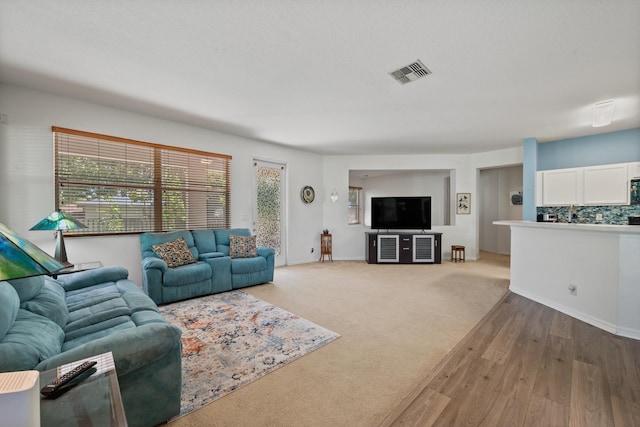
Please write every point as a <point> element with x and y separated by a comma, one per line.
<point>242,246</point>
<point>175,253</point>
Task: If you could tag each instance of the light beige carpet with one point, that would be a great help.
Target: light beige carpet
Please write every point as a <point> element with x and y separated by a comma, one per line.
<point>396,321</point>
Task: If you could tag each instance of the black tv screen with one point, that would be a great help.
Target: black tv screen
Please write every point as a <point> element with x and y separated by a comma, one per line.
<point>410,213</point>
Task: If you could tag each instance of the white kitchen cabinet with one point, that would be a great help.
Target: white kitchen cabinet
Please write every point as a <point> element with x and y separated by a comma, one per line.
<point>606,185</point>
<point>562,187</point>
<point>634,170</point>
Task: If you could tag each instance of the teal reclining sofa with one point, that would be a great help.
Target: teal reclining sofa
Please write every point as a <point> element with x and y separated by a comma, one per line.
<point>45,323</point>
<point>213,268</point>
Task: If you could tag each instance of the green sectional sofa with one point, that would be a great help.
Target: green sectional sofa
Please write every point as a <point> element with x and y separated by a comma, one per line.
<point>45,323</point>
<point>213,269</point>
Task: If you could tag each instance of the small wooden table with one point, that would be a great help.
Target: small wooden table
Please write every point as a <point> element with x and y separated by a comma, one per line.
<point>325,247</point>
<point>457,253</point>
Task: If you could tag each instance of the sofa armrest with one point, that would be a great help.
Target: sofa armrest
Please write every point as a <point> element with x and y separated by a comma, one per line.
<point>265,252</point>
<point>151,262</point>
<point>84,279</point>
<point>207,255</point>
<point>132,348</point>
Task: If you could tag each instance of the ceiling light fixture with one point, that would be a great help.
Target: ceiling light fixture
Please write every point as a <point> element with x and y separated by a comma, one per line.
<point>603,113</point>
<point>410,73</point>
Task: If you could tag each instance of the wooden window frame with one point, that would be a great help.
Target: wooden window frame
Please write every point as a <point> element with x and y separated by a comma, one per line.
<point>357,206</point>
<point>199,183</point>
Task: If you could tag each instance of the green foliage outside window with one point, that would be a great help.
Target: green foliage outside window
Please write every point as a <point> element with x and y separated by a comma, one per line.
<point>268,216</point>
<point>114,185</point>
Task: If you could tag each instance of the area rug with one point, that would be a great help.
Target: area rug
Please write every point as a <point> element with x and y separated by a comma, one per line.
<point>233,338</point>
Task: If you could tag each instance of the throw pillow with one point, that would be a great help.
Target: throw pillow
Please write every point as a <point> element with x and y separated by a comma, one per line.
<point>175,253</point>
<point>242,246</point>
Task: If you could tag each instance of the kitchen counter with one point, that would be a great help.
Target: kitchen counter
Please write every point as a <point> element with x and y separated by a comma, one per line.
<point>632,229</point>
<point>598,261</point>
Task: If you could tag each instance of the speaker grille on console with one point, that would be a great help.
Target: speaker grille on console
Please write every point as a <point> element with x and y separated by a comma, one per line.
<point>388,248</point>
<point>423,248</point>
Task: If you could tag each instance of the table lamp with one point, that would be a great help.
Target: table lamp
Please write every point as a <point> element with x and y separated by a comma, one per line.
<point>59,221</point>
<point>20,258</point>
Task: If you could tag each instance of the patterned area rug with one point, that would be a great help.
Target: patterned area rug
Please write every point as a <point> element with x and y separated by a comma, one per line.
<point>233,338</point>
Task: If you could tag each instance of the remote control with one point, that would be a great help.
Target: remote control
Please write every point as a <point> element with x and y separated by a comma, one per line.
<point>71,384</point>
<point>60,381</point>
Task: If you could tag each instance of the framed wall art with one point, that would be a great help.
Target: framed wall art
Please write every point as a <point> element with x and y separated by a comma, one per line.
<point>463,203</point>
<point>515,198</point>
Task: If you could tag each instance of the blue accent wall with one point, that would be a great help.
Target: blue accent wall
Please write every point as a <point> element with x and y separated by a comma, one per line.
<point>529,168</point>
<point>603,149</point>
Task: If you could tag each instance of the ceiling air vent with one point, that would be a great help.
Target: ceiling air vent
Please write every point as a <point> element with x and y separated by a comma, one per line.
<point>411,72</point>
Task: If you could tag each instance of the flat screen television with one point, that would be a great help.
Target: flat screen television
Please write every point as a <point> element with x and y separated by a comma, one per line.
<point>408,213</point>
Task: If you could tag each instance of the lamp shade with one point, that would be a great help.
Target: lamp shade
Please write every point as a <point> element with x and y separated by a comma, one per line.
<point>21,258</point>
<point>59,221</point>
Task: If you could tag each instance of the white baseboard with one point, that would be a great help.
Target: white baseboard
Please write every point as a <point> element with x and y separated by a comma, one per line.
<point>629,333</point>
<point>599,323</point>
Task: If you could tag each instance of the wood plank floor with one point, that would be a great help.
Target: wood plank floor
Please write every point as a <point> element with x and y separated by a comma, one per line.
<point>526,364</point>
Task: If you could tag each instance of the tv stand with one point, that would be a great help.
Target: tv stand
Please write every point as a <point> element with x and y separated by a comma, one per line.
<point>403,247</point>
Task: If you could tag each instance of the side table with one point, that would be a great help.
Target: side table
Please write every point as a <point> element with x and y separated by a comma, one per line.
<point>81,266</point>
<point>325,247</point>
<point>96,401</point>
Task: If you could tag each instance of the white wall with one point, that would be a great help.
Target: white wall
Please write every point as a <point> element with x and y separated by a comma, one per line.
<point>601,262</point>
<point>349,240</point>
<point>27,193</point>
<point>407,184</point>
<point>26,175</point>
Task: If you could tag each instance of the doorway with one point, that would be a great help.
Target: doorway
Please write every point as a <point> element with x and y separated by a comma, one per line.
<point>498,199</point>
<point>269,207</point>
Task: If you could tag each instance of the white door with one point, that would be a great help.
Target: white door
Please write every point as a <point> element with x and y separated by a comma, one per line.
<point>269,207</point>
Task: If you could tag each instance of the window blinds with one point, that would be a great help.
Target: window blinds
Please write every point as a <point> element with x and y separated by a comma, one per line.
<point>115,185</point>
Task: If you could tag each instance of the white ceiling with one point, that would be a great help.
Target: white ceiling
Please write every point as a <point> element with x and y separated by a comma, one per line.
<point>315,74</point>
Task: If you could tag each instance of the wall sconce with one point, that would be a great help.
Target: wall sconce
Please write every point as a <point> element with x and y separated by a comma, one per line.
<point>334,196</point>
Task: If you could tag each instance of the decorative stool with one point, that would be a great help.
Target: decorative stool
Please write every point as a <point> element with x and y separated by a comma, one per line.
<point>457,253</point>
<point>325,247</point>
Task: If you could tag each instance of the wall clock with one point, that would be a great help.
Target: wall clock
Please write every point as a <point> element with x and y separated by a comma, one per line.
<point>308,194</point>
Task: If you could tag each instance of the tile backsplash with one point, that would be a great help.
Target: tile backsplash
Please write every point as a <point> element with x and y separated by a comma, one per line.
<point>587,214</point>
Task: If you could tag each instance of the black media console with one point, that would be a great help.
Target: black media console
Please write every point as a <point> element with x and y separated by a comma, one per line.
<point>403,248</point>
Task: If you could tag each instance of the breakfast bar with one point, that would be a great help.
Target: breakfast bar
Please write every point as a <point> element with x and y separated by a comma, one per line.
<point>588,271</point>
